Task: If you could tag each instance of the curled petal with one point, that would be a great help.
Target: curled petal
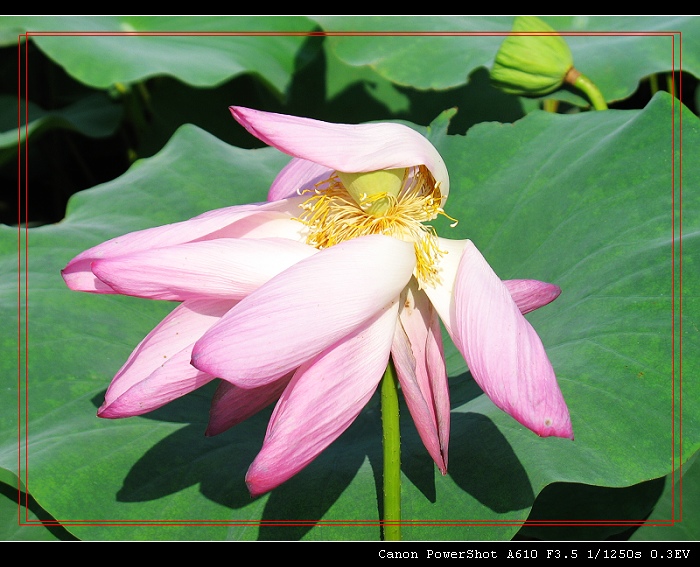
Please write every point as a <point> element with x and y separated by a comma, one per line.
<point>161,361</point>
<point>304,310</point>
<point>503,351</point>
<point>420,365</point>
<point>226,268</point>
<point>232,405</point>
<point>322,400</point>
<point>345,147</point>
<point>531,294</point>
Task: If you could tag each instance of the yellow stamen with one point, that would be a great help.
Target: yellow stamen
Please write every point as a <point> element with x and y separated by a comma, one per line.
<point>333,215</point>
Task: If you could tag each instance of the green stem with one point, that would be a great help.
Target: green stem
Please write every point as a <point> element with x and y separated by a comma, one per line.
<point>583,83</point>
<point>391,441</point>
<point>654,84</point>
<point>550,105</point>
<point>670,84</point>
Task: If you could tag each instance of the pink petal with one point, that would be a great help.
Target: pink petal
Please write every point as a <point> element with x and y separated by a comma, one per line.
<point>323,399</point>
<point>175,378</point>
<point>232,405</point>
<point>527,294</point>
<point>531,294</point>
<point>213,224</point>
<point>305,309</point>
<point>503,352</point>
<point>177,332</point>
<point>420,366</point>
<point>345,147</point>
<point>226,268</point>
<point>297,176</point>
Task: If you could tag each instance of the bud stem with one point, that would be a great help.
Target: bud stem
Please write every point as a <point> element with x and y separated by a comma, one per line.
<point>583,83</point>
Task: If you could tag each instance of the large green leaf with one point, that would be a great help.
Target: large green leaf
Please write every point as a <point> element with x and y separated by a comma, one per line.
<point>95,116</point>
<point>422,61</point>
<point>478,101</point>
<point>22,520</point>
<point>617,53</point>
<point>589,201</point>
<point>199,50</point>
<point>680,501</point>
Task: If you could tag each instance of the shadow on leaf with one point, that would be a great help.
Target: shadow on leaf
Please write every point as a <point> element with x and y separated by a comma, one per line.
<point>481,463</point>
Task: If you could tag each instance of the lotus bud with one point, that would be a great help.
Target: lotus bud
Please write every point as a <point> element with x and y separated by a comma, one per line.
<point>531,65</point>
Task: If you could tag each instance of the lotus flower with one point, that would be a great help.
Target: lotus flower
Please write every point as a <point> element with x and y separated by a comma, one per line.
<point>305,299</point>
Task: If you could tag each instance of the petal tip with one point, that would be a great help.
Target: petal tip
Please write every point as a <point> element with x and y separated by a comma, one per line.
<point>212,431</point>
<point>554,292</point>
<point>255,486</point>
<point>550,428</point>
<point>120,408</point>
<point>197,356</point>
<point>105,412</point>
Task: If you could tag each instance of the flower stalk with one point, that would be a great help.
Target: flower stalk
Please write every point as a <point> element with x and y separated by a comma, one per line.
<point>391,442</point>
<point>584,84</point>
